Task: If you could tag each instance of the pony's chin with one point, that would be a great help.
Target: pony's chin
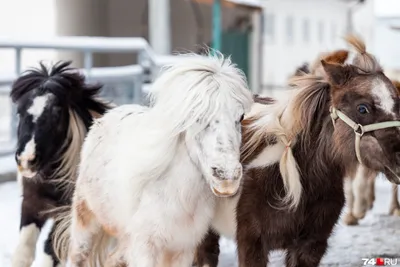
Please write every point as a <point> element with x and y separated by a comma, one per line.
<point>28,173</point>
<point>225,188</point>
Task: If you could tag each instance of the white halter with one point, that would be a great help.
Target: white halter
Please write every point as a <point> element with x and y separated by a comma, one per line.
<point>359,129</point>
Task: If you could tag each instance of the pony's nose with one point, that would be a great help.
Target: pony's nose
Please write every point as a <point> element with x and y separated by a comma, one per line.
<point>227,175</point>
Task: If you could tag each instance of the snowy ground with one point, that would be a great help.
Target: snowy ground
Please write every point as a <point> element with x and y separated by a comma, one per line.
<point>377,235</point>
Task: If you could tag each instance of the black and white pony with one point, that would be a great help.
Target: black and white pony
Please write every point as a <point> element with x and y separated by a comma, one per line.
<point>56,107</point>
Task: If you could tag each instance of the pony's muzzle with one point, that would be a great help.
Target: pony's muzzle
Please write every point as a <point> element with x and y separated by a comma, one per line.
<point>26,166</point>
<point>226,188</point>
<point>226,184</point>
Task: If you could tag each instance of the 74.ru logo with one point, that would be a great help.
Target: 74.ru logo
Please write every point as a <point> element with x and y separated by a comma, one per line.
<point>380,262</point>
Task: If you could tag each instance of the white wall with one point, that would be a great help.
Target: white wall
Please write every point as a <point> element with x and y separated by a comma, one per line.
<point>387,45</point>
<point>281,58</point>
<point>364,23</point>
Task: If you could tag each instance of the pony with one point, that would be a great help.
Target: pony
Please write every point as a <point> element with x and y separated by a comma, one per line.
<point>208,251</point>
<point>348,115</point>
<point>360,195</point>
<point>55,107</point>
<point>360,189</point>
<point>149,176</point>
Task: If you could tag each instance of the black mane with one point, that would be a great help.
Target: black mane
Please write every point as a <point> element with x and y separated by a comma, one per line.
<point>66,83</point>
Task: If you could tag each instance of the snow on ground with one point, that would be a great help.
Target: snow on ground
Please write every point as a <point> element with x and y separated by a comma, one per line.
<point>377,235</point>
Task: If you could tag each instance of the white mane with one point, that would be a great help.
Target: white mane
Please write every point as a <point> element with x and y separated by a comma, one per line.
<point>192,90</point>
<point>187,93</point>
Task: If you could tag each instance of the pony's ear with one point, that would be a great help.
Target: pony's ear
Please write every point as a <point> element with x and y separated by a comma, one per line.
<point>338,56</point>
<point>337,74</point>
<point>396,84</point>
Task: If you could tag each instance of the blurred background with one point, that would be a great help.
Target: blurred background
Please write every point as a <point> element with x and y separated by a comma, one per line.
<point>123,43</point>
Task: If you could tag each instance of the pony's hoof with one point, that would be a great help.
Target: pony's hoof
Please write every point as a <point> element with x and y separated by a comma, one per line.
<point>395,212</point>
<point>349,219</point>
<point>21,261</point>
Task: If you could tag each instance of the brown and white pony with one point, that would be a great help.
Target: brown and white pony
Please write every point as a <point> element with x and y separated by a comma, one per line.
<point>359,189</point>
<point>56,107</point>
<point>360,192</point>
<point>335,110</point>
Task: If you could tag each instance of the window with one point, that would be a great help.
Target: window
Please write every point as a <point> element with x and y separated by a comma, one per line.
<point>306,30</point>
<point>269,26</point>
<point>289,30</point>
<point>321,32</point>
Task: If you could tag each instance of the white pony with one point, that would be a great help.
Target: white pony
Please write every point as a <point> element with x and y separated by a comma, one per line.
<point>149,177</point>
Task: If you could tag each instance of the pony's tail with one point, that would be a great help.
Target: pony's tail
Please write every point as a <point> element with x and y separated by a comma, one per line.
<point>362,59</point>
<point>61,234</point>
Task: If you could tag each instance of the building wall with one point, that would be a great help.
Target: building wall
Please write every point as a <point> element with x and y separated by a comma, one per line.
<point>130,18</point>
<point>317,26</point>
<point>387,45</point>
<point>364,23</point>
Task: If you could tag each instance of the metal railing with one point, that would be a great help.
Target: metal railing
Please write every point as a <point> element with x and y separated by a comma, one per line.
<point>122,84</point>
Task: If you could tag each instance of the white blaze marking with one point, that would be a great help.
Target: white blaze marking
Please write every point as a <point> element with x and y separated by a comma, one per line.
<point>25,251</point>
<point>384,96</point>
<point>38,105</point>
<point>28,153</point>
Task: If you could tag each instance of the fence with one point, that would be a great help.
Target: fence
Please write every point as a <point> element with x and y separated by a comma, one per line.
<point>122,84</point>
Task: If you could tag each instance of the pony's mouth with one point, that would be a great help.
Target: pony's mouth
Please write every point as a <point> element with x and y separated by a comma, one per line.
<point>226,188</point>
<point>27,173</point>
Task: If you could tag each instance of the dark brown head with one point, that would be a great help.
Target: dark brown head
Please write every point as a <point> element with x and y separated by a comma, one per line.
<point>363,93</point>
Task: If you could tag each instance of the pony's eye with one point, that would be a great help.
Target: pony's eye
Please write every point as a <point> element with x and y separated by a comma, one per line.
<point>242,117</point>
<point>362,109</point>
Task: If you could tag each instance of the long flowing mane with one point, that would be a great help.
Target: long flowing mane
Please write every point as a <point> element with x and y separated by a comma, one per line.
<point>285,119</point>
<point>187,94</point>
<point>81,98</point>
<point>313,101</point>
<point>191,90</point>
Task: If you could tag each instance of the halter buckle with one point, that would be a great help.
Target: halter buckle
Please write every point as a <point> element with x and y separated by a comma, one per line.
<point>361,128</point>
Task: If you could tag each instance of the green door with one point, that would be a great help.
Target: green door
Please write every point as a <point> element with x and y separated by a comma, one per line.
<point>236,44</point>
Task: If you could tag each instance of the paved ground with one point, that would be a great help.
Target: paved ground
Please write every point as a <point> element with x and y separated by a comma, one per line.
<point>377,235</point>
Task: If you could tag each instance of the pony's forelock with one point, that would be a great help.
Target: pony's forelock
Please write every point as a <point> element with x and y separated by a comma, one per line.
<point>193,90</point>
<point>363,60</point>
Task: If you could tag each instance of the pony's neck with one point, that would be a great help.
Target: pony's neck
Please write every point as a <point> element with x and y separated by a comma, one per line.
<point>317,155</point>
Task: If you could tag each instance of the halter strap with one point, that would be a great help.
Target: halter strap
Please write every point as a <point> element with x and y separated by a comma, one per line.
<point>359,129</point>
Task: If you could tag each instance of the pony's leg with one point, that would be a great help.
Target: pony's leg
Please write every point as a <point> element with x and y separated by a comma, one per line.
<point>49,258</point>
<point>371,193</point>
<point>182,259</point>
<point>84,228</point>
<point>116,257</point>
<point>141,251</point>
<point>349,218</point>
<point>394,203</point>
<point>251,251</point>
<point>306,254</point>
<point>32,221</point>
<point>208,251</point>
<point>360,191</point>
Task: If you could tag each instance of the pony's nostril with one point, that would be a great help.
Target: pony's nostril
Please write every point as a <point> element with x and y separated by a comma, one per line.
<point>217,172</point>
